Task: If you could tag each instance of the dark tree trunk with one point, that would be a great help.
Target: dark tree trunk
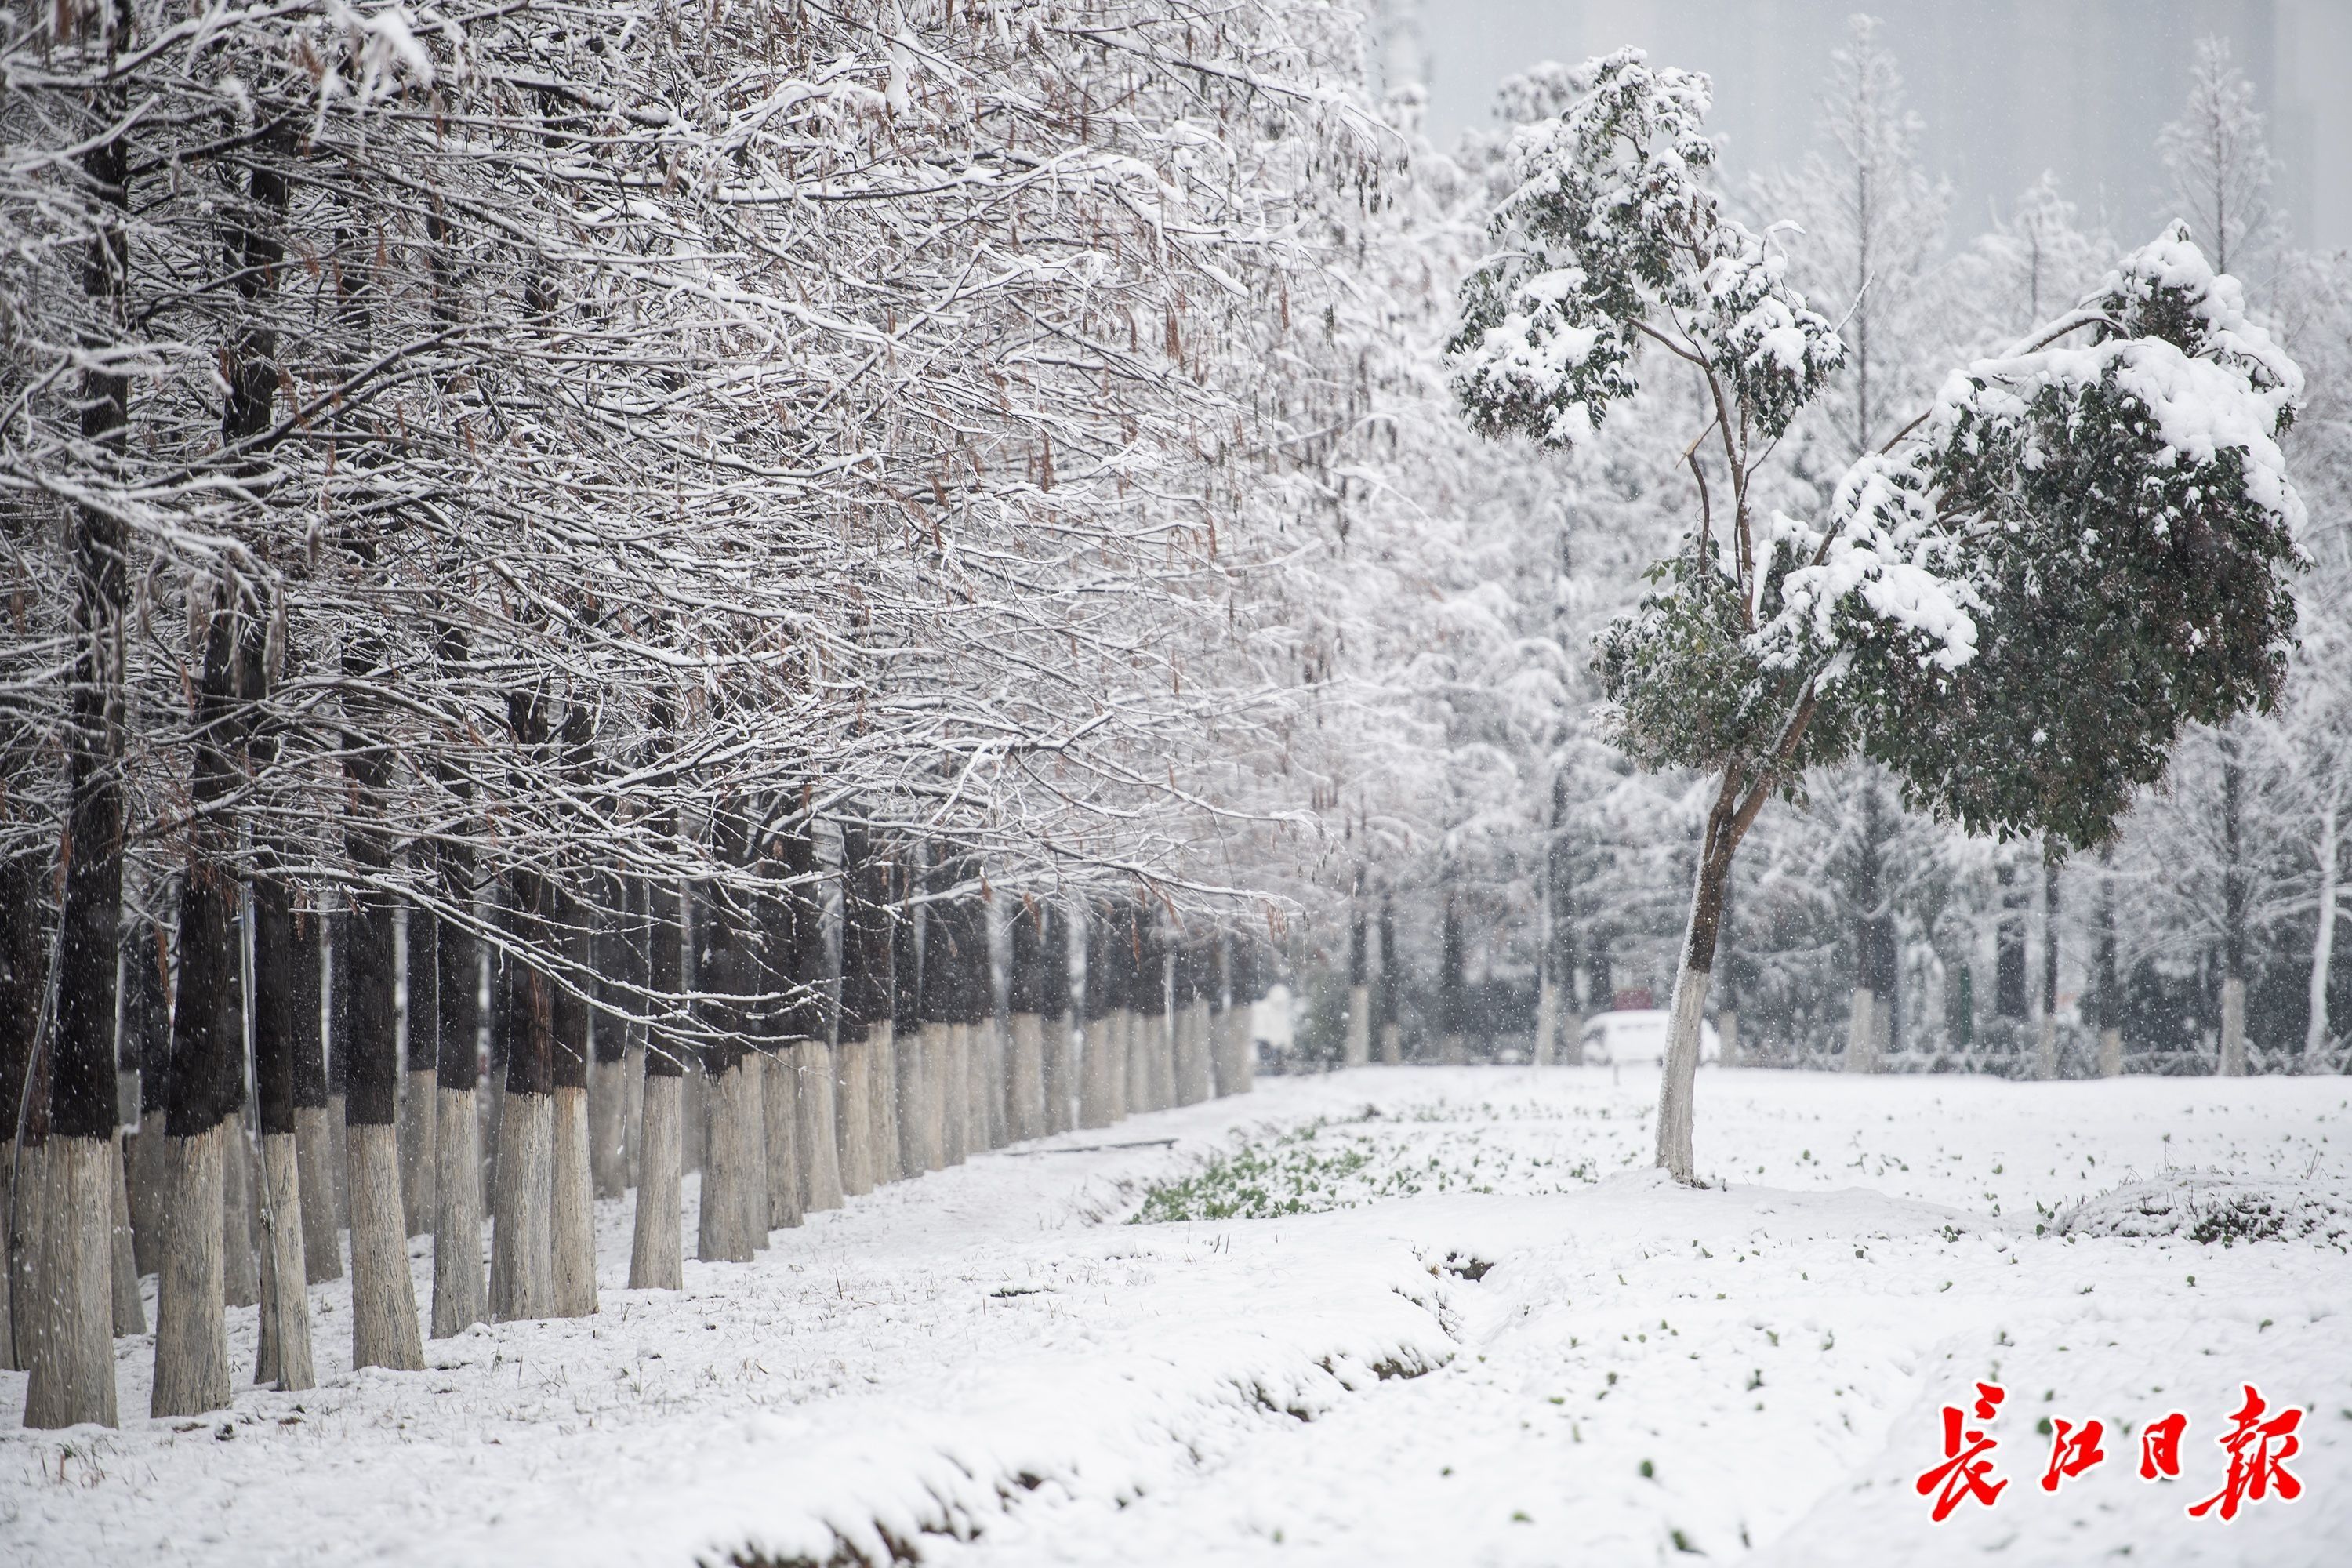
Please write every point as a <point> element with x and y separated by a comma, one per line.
<point>1452,1022</point>
<point>2009,950</point>
<point>207,1074</point>
<point>1386,1019</point>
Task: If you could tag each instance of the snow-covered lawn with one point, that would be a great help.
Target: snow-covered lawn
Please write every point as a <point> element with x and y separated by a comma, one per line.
<point>1506,1344</point>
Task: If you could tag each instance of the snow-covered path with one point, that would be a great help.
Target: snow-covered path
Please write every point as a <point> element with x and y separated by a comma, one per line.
<point>1540,1355</point>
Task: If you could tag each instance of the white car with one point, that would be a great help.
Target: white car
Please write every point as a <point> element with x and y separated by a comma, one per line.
<point>1639,1038</point>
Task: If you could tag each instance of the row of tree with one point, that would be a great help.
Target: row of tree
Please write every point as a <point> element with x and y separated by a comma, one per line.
<point>548,492</point>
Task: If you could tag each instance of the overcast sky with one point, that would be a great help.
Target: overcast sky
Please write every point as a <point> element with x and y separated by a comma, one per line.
<point>2007,88</point>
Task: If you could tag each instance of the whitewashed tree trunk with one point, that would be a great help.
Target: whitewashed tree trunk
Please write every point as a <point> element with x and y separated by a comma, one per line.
<point>71,1354</point>
<point>1025,1063</point>
<point>1862,1032</point>
<point>240,1276</point>
<point>1453,1050</point>
<point>1679,1081</point>
<point>286,1304</point>
<point>935,1048</point>
<point>522,1260</point>
<point>882,1067</point>
<point>130,1312</point>
<point>1059,1085</point>
<point>1139,1087</point>
<point>1544,1050</point>
<point>572,1238</point>
<point>191,1330</point>
<point>322,1243</point>
<point>1727,1025</point>
<point>719,1232</point>
<point>853,1118</point>
<point>780,1108</point>
<point>984,1088</point>
<point>819,1159</point>
<point>1098,1103</point>
<point>383,1296</point>
<point>2111,1053</point>
<point>2233,1028</point>
<point>417,1169</point>
<point>1571,1039</point>
<point>657,1249</point>
<point>460,1286</point>
<point>1358,1048</point>
<point>2045,1048</point>
<point>1392,1045</point>
<point>955,1096</point>
<point>147,1197</point>
<point>1126,1085</point>
<point>607,1158</point>
<point>751,1123</point>
<point>914,1101</point>
<point>1195,1078</point>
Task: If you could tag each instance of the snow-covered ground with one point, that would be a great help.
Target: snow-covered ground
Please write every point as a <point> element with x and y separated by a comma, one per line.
<point>1506,1344</point>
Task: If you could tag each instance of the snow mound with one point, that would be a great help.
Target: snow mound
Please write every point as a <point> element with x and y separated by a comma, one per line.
<point>2208,1207</point>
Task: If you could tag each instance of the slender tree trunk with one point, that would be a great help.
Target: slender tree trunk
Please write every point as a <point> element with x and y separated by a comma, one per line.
<point>2233,911</point>
<point>657,1250</point>
<point>208,1076</point>
<point>1024,996</point>
<point>2322,939</point>
<point>1862,1032</point>
<point>779,1073</point>
<point>419,1106</point>
<point>907,1034</point>
<point>384,1328</point>
<point>610,1031</point>
<point>1055,1066</point>
<point>1358,1048</point>
<point>1679,1079</point>
<point>1452,1005</point>
<point>2047,1065</point>
<point>322,1245</point>
<point>129,1312</point>
<point>2110,997</point>
<point>1391,1027</point>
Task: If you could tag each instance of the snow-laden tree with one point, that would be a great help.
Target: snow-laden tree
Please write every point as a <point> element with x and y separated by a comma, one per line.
<point>1951,615</point>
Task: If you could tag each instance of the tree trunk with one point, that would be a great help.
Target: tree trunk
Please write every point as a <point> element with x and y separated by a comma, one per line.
<point>190,1333</point>
<point>240,1269</point>
<point>780,1108</point>
<point>1544,1053</point>
<point>322,1247</point>
<point>1678,1081</point>
<point>522,1260</point>
<point>719,1232</point>
<point>854,1122</point>
<point>208,1073</point>
<point>984,1081</point>
<point>882,1068</point>
<point>955,1092</point>
<point>130,1312</point>
<point>657,1253</point>
<point>1391,1026</point>
<point>1452,1006</point>
<point>285,1304</point>
<point>1098,1101</point>
<point>1025,1056</point>
<point>1358,1048</point>
<point>609,1031</point>
<point>814,1140</point>
<point>460,1284</point>
<point>419,1104</point>
<point>2322,939</point>
<point>385,1329</point>
<point>71,1365</point>
<point>1862,1033</point>
<point>2233,911</point>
